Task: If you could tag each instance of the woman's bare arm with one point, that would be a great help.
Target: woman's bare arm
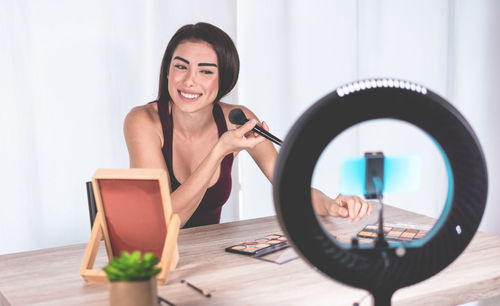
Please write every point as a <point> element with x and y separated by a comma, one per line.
<point>351,207</point>
<point>144,143</point>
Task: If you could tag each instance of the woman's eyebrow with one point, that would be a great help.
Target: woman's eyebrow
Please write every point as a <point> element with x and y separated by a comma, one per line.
<point>207,64</point>
<point>182,59</point>
<point>200,64</point>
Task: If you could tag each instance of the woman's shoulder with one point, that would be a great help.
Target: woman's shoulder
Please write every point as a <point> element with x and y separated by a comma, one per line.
<point>143,117</point>
<point>142,125</point>
<point>144,114</point>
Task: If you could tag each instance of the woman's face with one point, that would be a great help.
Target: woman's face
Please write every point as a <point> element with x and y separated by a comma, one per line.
<point>193,76</point>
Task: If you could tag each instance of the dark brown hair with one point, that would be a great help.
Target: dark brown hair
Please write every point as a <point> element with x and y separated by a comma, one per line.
<point>227,56</point>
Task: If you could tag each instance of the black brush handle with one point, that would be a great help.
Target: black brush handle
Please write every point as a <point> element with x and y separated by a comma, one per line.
<point>236,116</point>
<point>259,130</point>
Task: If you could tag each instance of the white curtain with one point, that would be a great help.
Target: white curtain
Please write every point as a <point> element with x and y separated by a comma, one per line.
<point>451,47</point>
<point>70,72</point>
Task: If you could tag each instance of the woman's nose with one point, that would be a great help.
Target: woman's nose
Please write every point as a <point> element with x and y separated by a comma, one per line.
<point>189,79</point>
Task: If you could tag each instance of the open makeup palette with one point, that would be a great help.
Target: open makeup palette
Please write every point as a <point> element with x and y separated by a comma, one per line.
<point>394,232</point>
<point>264,245</point>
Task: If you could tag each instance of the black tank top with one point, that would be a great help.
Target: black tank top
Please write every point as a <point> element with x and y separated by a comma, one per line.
<point>209,210</point>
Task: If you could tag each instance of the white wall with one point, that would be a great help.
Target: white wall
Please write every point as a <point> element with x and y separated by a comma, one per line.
<point>476,90</point>
<point>450,47</point>
<point>309,51</point>
<point>395,42</point>
<point>70,71</point>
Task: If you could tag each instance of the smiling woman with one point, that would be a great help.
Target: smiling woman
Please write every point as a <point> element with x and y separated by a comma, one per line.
<point>200,66</point>
<point>193,80</point>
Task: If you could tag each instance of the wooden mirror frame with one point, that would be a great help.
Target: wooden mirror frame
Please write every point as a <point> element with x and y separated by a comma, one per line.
<point>169,252</point>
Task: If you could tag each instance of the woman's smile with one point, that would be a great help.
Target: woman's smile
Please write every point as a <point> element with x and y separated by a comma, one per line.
<point>189,96</point>
<point>193,79</point>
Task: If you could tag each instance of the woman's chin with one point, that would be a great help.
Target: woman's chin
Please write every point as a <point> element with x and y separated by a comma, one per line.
<point>191,106</point>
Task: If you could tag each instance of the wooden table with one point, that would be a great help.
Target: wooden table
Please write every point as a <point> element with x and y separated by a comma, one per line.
<point>51,276</point>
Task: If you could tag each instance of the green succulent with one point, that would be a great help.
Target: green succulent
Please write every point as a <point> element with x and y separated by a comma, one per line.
<point>131,267</point>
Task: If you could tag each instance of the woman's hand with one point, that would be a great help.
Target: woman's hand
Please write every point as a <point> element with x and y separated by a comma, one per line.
<point>351,207</point>
<point>241,138</point>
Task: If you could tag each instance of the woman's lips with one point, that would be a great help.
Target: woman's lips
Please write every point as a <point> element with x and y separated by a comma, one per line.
<point>189,96</point>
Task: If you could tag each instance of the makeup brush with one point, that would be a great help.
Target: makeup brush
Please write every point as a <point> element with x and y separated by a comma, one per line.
<point>205,293</point>
<point>236,116</point>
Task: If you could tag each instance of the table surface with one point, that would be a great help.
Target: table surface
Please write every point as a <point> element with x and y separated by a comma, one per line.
<point>51,276</point>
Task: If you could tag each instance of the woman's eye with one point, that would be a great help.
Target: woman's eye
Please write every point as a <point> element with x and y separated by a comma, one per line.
<point>178,66</point>
<point>207,72</point>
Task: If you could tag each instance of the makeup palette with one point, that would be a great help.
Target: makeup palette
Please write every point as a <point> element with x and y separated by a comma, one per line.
<point>397,232</point>
<point>263,245</point>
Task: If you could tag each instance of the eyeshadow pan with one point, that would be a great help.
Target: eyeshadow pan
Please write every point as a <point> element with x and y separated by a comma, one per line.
<point>261,240</point>
<point>367,234</point>
<point>274,241</point>
<point>262,245</point>
<point>238,247</point>
<point>393,234</point>
<point>407,234</point>
<point>273,236</point>
<point>404,238</point>
<point>397,230</point>
<point>421,234</point>
<point>283,238</point>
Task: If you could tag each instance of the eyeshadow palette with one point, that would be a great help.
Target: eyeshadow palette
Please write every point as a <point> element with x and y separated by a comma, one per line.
<point>264,245</point>
<point>398,232</point>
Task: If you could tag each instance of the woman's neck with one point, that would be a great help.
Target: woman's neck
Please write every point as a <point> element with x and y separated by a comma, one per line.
<point>192,125</point>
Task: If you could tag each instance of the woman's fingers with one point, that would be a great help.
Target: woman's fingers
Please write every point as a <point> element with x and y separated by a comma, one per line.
<point>342,211</point>
<point>246,130</point>
<point>352,208</point>
<point>349,205</point>
<point>264,125</point>
<point>362,212</point>
<point>356,207</point>
<point>247,127</point>
<point>243,137</point>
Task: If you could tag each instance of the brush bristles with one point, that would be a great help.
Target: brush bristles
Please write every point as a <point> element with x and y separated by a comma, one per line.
<point>236,116</point>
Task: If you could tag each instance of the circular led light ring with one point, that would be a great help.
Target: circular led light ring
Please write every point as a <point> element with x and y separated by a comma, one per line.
<point>347,106</point>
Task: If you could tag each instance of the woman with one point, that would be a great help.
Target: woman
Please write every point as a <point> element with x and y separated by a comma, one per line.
<point>187,131</point>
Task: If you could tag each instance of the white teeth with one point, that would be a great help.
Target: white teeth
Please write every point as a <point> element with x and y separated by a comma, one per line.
<point>189,96</point>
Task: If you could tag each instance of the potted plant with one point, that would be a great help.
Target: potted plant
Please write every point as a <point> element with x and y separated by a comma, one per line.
<point>133,279</point>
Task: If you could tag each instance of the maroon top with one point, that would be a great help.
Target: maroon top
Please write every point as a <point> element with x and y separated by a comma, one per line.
<point>209,210</point>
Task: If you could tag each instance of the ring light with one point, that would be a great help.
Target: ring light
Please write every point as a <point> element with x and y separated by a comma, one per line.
<point>381,271</point>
